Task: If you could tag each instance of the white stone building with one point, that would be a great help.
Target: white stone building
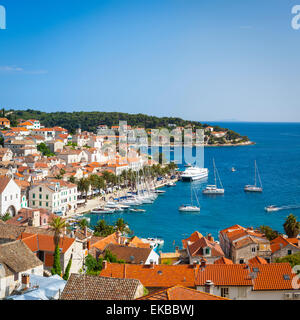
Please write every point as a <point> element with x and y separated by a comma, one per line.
<point>10,196</point>
<point>57,196</point>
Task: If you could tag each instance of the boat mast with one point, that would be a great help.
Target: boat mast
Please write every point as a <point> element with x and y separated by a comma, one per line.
<point>255,173</point>
<point>215,172</point>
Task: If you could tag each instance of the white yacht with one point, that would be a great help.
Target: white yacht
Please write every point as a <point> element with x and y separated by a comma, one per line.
<point>190,207</point>
<point>213,189</point>
<point>194,173</point>
<point>102,210</point>
<point>254,188</point>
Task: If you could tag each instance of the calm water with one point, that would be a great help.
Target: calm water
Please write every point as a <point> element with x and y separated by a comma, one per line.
<point>277,153</point>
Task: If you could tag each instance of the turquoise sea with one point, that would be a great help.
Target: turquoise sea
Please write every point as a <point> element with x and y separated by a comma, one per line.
<point>277,152</point>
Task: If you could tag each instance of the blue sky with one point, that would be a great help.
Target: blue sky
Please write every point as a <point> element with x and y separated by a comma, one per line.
<point>195,59</point>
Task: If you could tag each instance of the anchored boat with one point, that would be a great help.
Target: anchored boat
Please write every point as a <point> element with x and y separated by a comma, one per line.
<point>213,189</point>
<point>190,207</point>
<point>194,173</point>
<point>254,188</point>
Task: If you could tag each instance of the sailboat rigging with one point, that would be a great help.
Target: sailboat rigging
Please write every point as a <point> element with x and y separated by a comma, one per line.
<point>213,189</point>
<point>254,188</point>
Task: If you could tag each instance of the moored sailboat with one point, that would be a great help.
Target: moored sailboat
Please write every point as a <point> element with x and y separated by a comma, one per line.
<point>254,188</point>
<point>213,189</point>
<point>190,207</point>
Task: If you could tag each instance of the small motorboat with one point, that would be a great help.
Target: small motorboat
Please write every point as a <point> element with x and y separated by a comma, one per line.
<point>137,210</point>
<point>271,208</point>
<point>233,169</point>
<point>102,210</point>
<point>171,184</point>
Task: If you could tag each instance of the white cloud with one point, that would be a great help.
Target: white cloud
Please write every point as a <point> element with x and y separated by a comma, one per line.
<point>16,69</point>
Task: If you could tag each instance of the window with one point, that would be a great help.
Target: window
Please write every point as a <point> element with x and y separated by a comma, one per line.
<point>11,197</point>
<point>207,251</point>
<point>225,292</point>
<point>5,198</point>
<point>16,276</point>
<point>253,249</point>
<point>242,292</point>
<point>47,196</point>
<point>40,189</point>
<point>33,195</point>
<point>241,261</point>
<point>46,204</point>
<point>16,196</point>
<point>289,252</point>
<point>33,203</point>
<point>40,196</point>
<point>40,203</point>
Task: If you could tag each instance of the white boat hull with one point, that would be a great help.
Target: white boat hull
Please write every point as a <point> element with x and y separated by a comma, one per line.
<point>252,189</point>
<point>213,191</point>
<point>189,209</point>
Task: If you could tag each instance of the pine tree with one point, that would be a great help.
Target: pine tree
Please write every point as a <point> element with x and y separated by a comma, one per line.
<point>56,265</point>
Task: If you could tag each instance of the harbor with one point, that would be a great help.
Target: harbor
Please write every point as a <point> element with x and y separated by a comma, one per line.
<point>234,207</point>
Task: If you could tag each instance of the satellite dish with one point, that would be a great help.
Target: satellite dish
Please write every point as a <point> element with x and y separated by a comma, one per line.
<point>2,271</point>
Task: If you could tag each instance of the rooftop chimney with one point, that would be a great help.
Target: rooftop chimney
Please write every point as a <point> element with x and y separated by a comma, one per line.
<point>203,263</point>
<point>209,237</point>
<point>85,232</point>
<point>25,281</point>
<point>209,286</point>
<point>104,265</point>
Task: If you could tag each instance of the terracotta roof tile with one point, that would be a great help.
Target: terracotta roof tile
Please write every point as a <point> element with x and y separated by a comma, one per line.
<point>159,276</point>
<point>85,287</point>
<point>181,293</point>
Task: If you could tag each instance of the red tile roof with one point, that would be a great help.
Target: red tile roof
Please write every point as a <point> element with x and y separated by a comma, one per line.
<point>257,260</point>
<point>281,242</point>
<point>160,276</point>
<point>223,260</point>
<point>269,276</point>
<point>192,238</point>
<point>181,293</point>
<point>41,242</point>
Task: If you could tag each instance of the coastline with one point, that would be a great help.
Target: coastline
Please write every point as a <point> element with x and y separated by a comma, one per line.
<point>249,143</point>
<point>97,201</point>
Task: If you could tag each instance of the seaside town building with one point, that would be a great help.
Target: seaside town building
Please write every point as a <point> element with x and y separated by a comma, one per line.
<point>4,123</point>
<point>57,196</point>
<point>87,287</point>
<point>242,244</point>
<point>10,196</point>
<point>16,262</point>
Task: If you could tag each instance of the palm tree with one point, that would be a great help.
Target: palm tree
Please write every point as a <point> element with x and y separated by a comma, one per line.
<point>83,185</point>
<point>122,226</point>
<point>57,225</point>
<point>291,226</point>
<point>83,223</point>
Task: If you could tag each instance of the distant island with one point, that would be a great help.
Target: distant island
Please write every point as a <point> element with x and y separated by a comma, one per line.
<point>90,121</point>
